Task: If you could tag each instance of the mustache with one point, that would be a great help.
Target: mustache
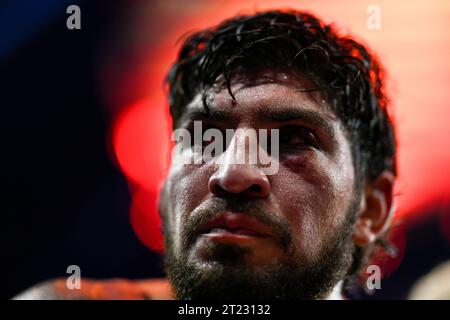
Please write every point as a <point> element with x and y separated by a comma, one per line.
<point>214,207</point>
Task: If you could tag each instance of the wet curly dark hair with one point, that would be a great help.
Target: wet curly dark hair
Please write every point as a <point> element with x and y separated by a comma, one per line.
<point>349,76</point>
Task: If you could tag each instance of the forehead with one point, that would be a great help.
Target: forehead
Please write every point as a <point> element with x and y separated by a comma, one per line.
<point>263,97</point>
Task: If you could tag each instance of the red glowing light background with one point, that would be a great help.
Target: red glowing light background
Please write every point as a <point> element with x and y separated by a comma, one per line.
<point>413,45</point>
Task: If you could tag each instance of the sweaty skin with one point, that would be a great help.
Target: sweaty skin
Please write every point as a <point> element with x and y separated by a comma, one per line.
<point>311,192</point>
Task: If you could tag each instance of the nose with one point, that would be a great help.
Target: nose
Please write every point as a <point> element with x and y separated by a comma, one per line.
<point>238,178</point>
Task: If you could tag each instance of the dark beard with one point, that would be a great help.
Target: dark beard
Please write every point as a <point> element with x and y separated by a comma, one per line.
<point>291,279</point>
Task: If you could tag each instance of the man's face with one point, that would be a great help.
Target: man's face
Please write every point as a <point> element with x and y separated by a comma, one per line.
<point>233,231</point>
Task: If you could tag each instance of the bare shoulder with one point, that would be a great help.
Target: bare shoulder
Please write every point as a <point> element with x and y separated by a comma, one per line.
<point>114,289</point>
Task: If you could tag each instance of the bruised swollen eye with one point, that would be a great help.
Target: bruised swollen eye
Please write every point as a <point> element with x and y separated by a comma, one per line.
<point>297,137</point>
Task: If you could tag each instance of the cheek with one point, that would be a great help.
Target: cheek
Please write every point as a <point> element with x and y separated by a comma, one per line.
<point>313,193</point>
<point>187,188</point>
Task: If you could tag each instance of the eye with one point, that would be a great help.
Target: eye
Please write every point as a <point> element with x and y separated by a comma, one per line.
<point>202,140</point>
<point>297,137</point>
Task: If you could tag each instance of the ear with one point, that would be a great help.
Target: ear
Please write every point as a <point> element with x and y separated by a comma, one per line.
<point>377,209</point>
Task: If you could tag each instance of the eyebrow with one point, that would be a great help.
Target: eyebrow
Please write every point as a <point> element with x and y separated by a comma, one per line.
<point>313,118</point>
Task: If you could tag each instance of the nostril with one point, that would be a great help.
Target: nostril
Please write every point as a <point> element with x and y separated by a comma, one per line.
<point>255,189</point>
<point>239,182</point>
<point>218,190</point>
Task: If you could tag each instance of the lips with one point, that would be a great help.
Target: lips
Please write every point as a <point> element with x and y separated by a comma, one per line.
<point>235,224</point>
